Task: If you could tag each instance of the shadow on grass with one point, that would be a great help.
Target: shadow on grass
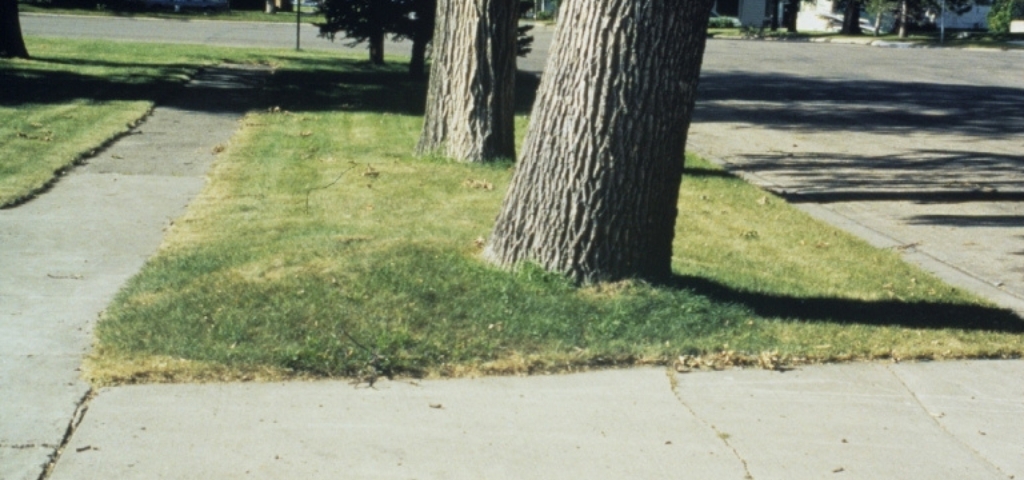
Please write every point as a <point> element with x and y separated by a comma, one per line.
<point>909,314</point>
<point>319,84</point>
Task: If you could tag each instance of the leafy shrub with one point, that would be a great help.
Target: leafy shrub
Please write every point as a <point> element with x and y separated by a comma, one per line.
<point>724,22</point>
<point>1003,12</point>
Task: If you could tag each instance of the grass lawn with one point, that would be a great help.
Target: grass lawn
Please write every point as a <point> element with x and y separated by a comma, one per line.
<point>321,247</point>
<point>74,96</point>
<point>232,15</point>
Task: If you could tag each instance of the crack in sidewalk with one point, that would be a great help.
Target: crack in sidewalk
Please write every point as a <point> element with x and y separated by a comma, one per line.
<point>76,420</point>
<point>942,426</point>
<point>724,437</point>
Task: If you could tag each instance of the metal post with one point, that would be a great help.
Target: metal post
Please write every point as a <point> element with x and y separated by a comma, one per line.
<point>298,21</point>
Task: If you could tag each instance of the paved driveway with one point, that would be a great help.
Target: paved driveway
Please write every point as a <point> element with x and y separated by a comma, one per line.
<point>916,149</point>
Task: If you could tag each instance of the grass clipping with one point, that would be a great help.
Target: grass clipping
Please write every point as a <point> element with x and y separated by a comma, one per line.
<point>321,248</point>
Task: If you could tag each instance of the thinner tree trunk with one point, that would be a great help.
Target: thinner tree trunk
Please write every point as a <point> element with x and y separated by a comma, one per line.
<point>376,42</point>
<point>470,100</point>
<point>851,18</point>
<point>903,19</point>
<point>792,14</point>
<point>595,193</point>
<point>418,62</point>
<point>12,44</point>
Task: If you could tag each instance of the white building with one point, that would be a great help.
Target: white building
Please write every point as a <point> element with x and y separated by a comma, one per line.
<point>822,16</point>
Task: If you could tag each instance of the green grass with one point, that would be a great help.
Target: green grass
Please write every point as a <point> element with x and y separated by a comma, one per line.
<point>321,247</point>
<point>232,15</point>
<point>74,96</point>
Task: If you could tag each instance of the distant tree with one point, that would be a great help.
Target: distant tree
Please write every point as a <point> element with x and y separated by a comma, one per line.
<point>470,109</point>
<point>12,44</point>
<point>362,21</point>
<point>1003,12</point>
<point>371,21</point>
<point>418,25</point>
<point>878,8</point>
<point>851,18</point>
<point>911,13</point>
<point>595,193</point>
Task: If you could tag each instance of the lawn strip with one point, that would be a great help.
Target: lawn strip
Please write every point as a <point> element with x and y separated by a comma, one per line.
<point>322,248</point>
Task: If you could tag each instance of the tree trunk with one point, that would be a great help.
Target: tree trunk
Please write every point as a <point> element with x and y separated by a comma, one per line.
<point>377,48</point>
<point>269,7</point>
<point>418,62</point>
<point>595,193</point>
<point>851,18</point>
<point>470,109</point>
<point>903,19</point>
<point>422,35</point>
<point>774,15</point>
<point>792,14</point>
<point>12,44</point>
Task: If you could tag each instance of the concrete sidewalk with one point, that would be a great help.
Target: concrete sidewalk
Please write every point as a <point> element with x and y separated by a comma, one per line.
<point>950,420</point>
<point>65,254</point>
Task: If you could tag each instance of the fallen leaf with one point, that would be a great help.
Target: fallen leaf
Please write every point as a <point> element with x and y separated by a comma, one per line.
<point>478,184</point>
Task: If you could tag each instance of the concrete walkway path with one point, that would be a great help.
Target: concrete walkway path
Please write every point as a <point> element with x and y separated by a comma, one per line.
<point>920,151</point>
<point>949,420</point>
<point>66,253</point>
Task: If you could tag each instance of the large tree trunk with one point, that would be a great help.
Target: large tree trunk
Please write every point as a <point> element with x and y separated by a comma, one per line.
<point>12,45</point>
<point>595,193</point>
<point>851,18</point>
<point>377,48</point>
<point>470,108</point>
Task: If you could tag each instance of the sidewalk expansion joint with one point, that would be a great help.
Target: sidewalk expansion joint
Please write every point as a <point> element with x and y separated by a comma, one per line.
<point>942,426</point>
<point>76,420</point>
<point>724,437</point>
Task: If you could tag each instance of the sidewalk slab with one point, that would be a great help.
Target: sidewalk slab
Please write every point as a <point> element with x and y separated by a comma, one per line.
<point>66,253</point>
<point>857,420</point>
<point>981,403</point>
<point>602,425</point>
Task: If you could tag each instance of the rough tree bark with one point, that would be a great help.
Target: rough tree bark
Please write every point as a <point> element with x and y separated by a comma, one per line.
<point>470,99</point>
<point>595,192</point>
<point>12,44</point>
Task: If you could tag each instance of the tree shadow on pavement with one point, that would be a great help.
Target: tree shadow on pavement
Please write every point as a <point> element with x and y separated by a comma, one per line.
<point>910,314</point>
<point>923,175</point>
<point>789,102</point>
<point>968,221</point>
